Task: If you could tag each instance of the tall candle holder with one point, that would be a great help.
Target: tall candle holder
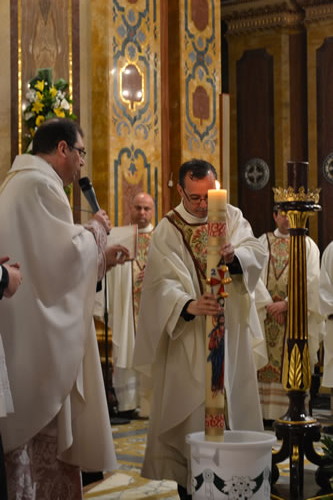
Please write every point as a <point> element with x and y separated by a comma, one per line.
<point>297,429</point>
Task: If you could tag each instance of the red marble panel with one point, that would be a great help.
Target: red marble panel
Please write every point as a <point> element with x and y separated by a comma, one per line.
<point>201,104</point>
<point>200,14</point>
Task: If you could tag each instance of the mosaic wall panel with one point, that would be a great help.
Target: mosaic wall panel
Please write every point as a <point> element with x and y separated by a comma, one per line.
<point>135,111</point>
<point>201,82</point>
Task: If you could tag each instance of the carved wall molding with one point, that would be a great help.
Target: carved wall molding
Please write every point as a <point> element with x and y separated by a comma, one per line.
<point>252,15</point>
<point>263,22</point>
<point>318,13</point>
<point>309,3</point>
<point>261,16</point>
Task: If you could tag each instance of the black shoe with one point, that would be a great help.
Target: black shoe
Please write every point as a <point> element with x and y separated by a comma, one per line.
<point>131,415</point>
<point>119,420</point>
<point>182,492</point>
<point>126,414</point>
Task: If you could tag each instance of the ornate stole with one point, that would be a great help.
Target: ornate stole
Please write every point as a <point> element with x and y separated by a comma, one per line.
<point>277,285</point>
<point>138,266</point>
<point>277,274</point>
<point>195,240</point>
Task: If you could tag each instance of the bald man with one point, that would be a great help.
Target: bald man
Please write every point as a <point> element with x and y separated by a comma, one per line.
<point>124,293</point>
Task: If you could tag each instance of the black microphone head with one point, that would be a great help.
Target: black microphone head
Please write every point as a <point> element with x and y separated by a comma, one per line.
<point>85,183</point>
<point>89,193</point>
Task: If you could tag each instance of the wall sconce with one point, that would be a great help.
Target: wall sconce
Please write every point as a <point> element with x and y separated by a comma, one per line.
<point>131,85</point>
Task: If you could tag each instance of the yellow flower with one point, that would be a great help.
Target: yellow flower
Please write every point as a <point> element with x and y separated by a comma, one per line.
<point>53,91</point>
<point>39,120</point>
<point>59,112</point>
<point>37,106</point>
<point>39,96</point>
<point>39,85</point>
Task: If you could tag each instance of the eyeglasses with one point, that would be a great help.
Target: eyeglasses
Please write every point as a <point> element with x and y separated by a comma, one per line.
<point>81,151</point>
<point>196,199</point>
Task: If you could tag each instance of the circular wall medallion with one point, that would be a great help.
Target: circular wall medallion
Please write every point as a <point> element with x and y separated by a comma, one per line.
<point>328,168</point>
<point>256,173</point>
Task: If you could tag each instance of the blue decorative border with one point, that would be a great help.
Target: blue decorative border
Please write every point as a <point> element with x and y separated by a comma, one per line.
<point>133,154</point>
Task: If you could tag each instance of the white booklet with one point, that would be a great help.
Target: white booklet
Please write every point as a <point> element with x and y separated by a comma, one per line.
<point>126,236</point>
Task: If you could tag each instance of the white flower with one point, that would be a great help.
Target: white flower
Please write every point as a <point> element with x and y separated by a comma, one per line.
<point>28,115</point>
<point>31,95</point>
<point>65,104</point>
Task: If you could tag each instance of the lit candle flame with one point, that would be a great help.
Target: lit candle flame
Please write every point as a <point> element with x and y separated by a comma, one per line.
<point>217,185</point>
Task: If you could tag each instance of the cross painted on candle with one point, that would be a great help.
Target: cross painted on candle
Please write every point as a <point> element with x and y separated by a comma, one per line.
<point>218,279</point>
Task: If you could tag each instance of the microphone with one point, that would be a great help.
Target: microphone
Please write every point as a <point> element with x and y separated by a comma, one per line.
<point>89,193</point>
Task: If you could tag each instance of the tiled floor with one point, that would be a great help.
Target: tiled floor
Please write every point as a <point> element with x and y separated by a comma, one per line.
<point>126,483</point>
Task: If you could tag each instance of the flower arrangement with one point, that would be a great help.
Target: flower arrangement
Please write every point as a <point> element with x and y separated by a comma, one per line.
<point>45,100</point>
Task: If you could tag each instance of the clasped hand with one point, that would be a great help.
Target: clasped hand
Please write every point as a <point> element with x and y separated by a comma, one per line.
<point>278,311</point>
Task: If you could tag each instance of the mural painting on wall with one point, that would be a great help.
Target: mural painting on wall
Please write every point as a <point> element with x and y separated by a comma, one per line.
<point>47,27</point>
<point>136,134</point>
<point>201,78</point>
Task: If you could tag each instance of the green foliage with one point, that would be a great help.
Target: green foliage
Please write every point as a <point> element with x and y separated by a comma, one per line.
<point>327,442</point>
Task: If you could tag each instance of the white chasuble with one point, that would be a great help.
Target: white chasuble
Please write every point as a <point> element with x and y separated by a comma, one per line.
<point>47,326</point>
<point>172,350</point>
<point>124,285</point>
<point>326,306</point>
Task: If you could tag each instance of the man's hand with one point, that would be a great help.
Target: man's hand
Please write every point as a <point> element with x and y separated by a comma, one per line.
<point>278,311</point>
<point>15,278</point>
<point>102,217</point>
<point>115,254</point>
<point>228,253</point>
<point>206,304</point>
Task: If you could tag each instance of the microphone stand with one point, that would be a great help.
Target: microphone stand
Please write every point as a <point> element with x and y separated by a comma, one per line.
<point>109,389</point>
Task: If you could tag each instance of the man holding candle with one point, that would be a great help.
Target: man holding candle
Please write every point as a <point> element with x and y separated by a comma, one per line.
<point>171,340</point>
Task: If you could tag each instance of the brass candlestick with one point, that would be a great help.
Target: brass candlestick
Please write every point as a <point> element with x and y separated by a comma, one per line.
<point>297,429</point>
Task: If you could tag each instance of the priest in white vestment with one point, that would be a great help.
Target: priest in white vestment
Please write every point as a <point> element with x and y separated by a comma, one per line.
<point>60,422</point>
<point>170,341</point>
<point>326,306</point>
<point>124,285</point>
<point>10,280</point>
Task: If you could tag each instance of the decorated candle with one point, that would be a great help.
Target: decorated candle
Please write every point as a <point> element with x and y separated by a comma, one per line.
<point>217,234</point>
